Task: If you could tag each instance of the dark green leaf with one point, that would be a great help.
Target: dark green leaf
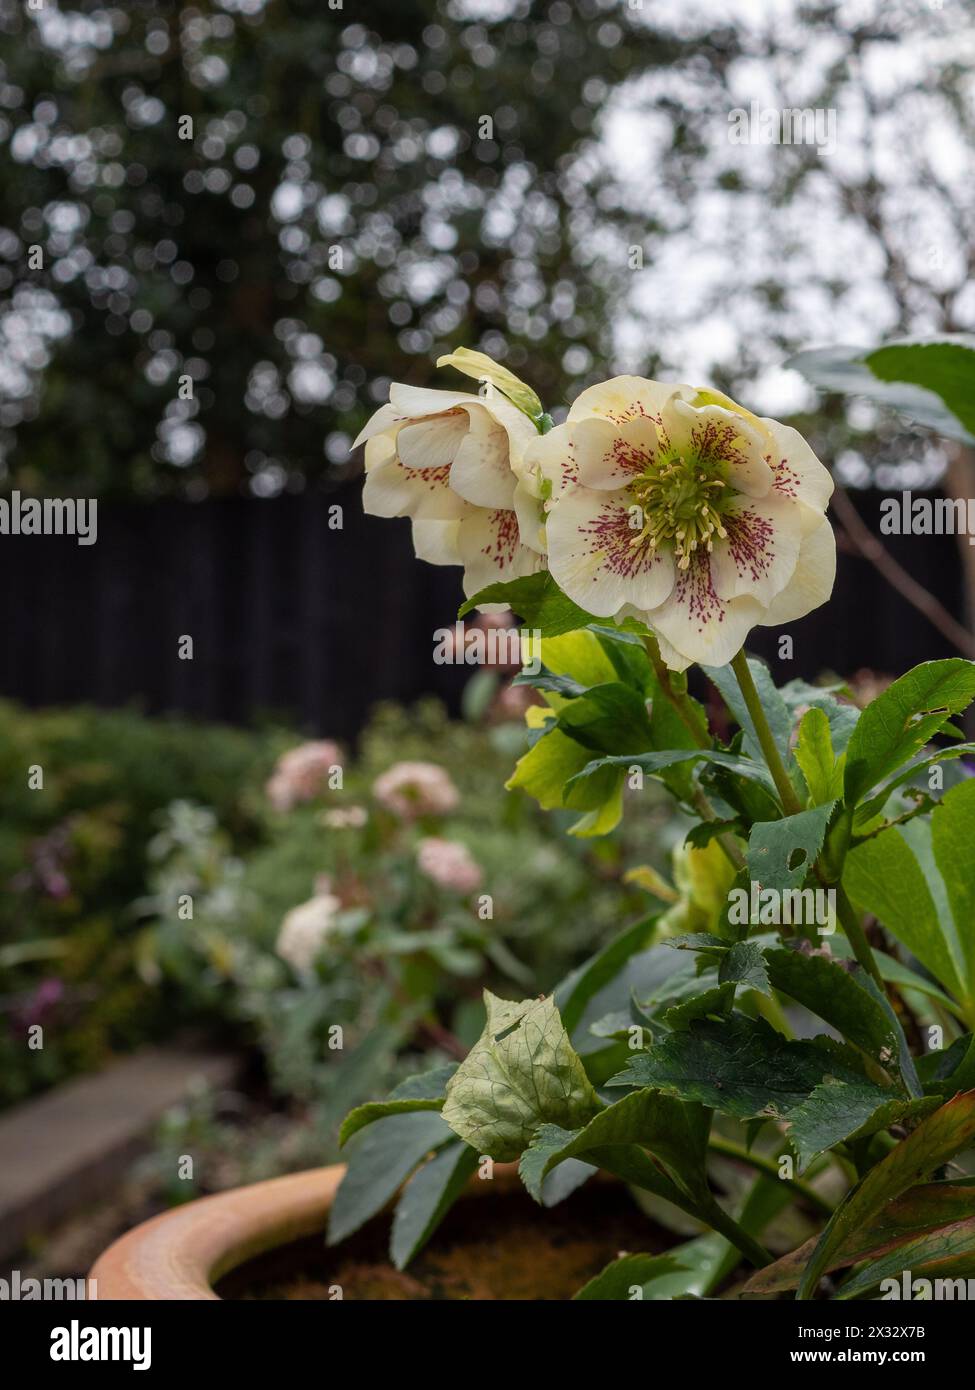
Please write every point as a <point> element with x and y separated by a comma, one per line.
<point>837,996</point>
<point>625,1277</point>
<point>740,1066</point>
<point>427,1198</point>
<point>382,1158</point>
<point>782,852</point>
<point>538,602</point>
<point>842,1110</point>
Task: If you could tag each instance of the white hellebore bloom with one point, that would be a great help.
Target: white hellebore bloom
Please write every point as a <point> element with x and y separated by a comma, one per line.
<point>677,507</point>
<point>450,461</point>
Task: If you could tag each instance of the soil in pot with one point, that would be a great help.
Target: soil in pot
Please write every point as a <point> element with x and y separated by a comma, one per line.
<point>489,1247</point>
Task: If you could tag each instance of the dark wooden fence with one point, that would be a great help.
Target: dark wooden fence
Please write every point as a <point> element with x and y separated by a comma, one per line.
<point>293,618</point>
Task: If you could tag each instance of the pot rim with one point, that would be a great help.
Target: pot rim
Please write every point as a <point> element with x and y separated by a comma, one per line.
<point>180,1254</point>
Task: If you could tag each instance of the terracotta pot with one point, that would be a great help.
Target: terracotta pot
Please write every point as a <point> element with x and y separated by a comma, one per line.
<point>182,1254</point>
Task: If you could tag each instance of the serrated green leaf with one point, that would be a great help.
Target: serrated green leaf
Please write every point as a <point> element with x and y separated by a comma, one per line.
<point>744,964</point>
<point>740,1066</point>
<point>782,852</point>
<point>837,1111</point>
<point>815,756</point>
<point>868,810</point>
<point>626,1277</point>
<point>426,1199</point>
<point>883,877</point>
<point>383,1157</point>
<point>522,1073</point>
<point>608,718</point>
<point>709,1002</point>
<point>837,996</point>
<point>950,1129</point>
<point>953,843</point>
<point>655,764</point>
<point>675,1134</point>
<point>537,600</point>
<point>900,721</point>
<point>423,1092</point>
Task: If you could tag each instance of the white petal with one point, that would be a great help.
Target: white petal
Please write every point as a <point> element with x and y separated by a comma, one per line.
<point>380,449</point>
<point>608,455</point>
<point>531,514</point>
<point>387,417</point>
<point>670,656</point>
<point>520,430</point>
<point>392,490</point>
<point>758,556</point>
<point>799,474</point>
<point>413,402</point>
<point>812,581</point>
<point>549,462</point>
<point>698,624</point>
<point>624,398</point>
<point>482,467</point>
<point>436,542</point>
<point>432,442</point>
<point>491,550</point>
<point>714,431</point>
<point>592,557</point>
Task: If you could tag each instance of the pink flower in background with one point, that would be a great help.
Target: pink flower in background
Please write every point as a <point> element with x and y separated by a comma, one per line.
<point>301,773</point>
<point>449,865</point>
<point>345,817</point>
<point>415,789</point>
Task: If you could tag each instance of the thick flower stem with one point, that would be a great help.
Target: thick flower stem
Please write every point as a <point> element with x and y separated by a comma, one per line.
<point>686,713</point>
<point>770,1168</point>
<point>678,699</point>
<point>791,804</point>
<point>736,1235</point>
<point>857,937</point>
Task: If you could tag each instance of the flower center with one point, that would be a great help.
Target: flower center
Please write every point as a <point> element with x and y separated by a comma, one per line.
<point>680,503</point>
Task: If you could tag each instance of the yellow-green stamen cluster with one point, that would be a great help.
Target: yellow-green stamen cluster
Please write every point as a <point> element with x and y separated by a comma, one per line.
<point>681,501</point>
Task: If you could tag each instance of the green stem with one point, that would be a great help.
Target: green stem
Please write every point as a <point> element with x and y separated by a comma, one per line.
<point>678,699</point>
<point>791,804</point>
<point>716,1217</point>
<point>857,937</point>
<point>727,1149</point>
<point>686,713</point>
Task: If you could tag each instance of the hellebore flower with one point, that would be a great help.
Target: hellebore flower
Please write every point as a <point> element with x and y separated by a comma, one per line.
<point>678,507</point>
<point>450,461</point>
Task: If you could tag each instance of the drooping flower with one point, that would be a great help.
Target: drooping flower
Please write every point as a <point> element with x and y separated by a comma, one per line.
<point>301,773</point>
<point>413,789</point>
<point>680,508</point>
<point>451,462</point>
<point>448,864</point>
<point>304,930</point>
